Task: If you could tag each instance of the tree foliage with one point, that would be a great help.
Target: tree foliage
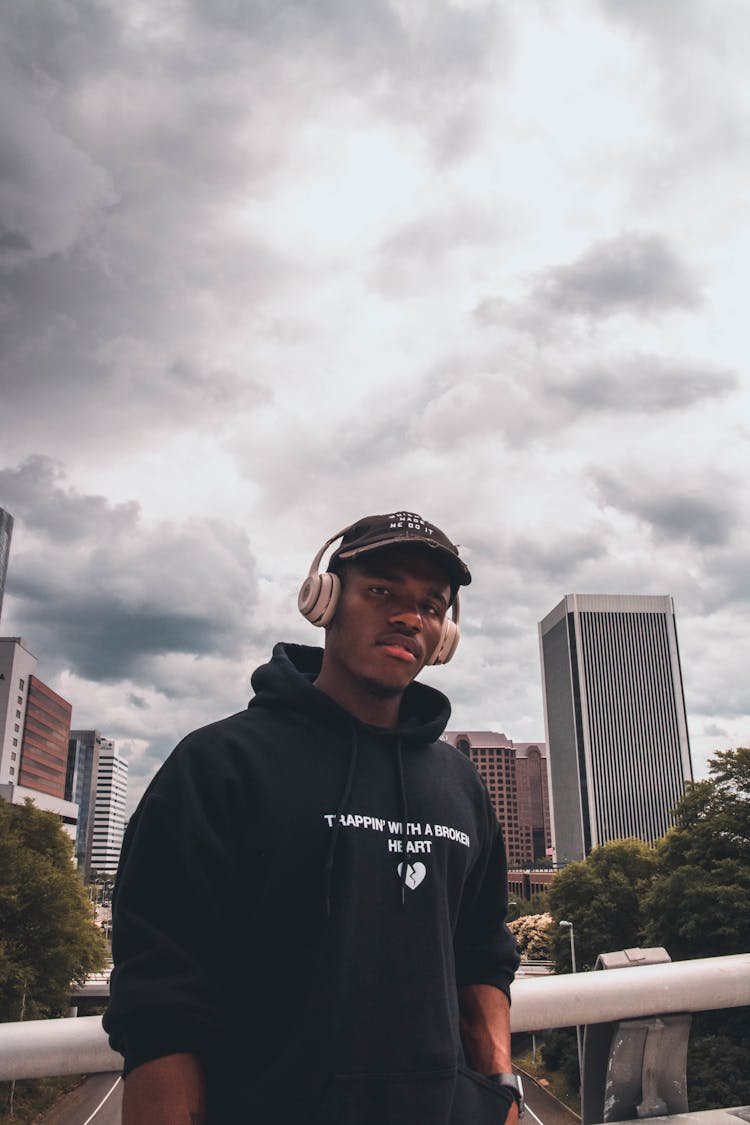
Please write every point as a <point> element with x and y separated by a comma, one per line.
<point>47,935</point>
<point>531,932</point>
<point>698,904</point>
<point>602,895</point>
<point>691,894</point>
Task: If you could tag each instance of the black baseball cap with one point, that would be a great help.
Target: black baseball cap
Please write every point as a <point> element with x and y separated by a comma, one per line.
<point>372,533</point>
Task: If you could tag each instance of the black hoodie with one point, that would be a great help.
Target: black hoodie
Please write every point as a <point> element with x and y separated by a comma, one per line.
<point>264,920</point>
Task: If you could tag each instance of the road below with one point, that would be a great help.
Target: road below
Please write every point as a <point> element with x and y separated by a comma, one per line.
<point>97,1100</point>
<point>542,1108</point>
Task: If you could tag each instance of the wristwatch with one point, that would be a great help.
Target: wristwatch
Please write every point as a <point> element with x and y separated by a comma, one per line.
<point>513,1083</point>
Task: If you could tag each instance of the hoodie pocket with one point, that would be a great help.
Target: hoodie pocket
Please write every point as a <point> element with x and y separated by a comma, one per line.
<point>389,1099</point>
<point>435,1097</point>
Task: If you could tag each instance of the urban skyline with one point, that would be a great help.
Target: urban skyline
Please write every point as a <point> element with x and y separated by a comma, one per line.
<point>462,259</point>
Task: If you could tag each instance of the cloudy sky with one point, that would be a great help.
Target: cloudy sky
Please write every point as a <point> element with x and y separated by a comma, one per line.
<point>269,266</point>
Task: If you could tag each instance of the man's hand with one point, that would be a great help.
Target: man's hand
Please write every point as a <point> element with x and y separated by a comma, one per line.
<point>168,1091</point>
<point>485,1032</point>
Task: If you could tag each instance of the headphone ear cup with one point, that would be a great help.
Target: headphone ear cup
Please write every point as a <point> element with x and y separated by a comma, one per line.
<point>447,644</point>
<point>318,598</point>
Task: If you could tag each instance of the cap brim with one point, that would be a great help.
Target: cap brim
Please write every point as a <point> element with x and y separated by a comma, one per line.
<point>457,569</point>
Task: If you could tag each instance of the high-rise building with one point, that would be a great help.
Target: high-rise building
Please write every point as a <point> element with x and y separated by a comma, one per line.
<point>515,774</point>
<point>44,748</point>
<point>34,728</point>
<point>84,748</point>
<point>109,809</point>
<point>6,533</point>
<point>615,718</point>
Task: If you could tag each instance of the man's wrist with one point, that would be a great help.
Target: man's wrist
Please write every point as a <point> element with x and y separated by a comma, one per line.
<point>512,1083</point>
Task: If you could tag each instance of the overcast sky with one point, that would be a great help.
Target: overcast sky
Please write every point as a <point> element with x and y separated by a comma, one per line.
<point>268,267</point>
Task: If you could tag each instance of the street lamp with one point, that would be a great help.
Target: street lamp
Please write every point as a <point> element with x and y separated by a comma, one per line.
<point>569,926</point>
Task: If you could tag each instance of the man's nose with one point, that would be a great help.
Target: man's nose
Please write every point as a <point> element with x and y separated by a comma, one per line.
<point>407,613</point>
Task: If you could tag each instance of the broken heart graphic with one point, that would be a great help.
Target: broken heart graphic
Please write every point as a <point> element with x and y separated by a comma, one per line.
<point>415,873</point>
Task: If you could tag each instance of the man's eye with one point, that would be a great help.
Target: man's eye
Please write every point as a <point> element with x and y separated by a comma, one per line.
<point>431,610</point>
<point>381,590</point>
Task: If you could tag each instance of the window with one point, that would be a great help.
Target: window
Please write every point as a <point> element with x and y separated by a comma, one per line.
<point>15,742</point>
<point>13,756</point>
<point>20,699</point>
<point>12,769</point>
<point>20,684</point>
<point>18,714</point>
<point>16,727</point>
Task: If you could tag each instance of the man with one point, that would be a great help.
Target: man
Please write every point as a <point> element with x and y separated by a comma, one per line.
<point>309,914</point>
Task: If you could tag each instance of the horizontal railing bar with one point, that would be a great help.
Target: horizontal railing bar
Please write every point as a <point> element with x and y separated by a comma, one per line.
<point>42,1048</point>
<point>644,990</point>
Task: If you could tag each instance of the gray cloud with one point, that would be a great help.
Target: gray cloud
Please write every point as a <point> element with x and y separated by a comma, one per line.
<point>633,273</point>
<point>37,493</point>
<point>705,516</point>
<point>51,190</point>
<point>101,593</point>
<point>644,384</point>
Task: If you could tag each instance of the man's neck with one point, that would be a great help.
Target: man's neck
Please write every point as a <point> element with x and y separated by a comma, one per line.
<point>359,701</point>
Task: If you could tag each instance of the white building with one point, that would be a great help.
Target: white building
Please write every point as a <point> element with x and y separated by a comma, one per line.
<point>617,738</point>
<point>109,809</point>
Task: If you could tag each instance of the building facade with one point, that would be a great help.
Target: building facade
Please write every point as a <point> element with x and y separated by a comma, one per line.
<point>44,748</point>
<point>614,712</point>
<point>109,809</point>
<point>34,727</point>
<point>6,534</point>
<point>84,747</point>
<point>515,774</point>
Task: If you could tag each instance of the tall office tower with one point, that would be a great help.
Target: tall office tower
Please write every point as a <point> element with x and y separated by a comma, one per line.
<point>84,748</point>
<point>515,774</point>
<point>44,748</point>
<point>34,727</point>
<point>615,717</point>
<point>6,533</point>
<point>109,809</point>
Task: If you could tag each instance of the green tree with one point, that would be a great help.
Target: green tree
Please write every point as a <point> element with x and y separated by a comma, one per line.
<point>603,896</point>
<point>699,902</point>
<point>699,906</point>
<point>48,935</point>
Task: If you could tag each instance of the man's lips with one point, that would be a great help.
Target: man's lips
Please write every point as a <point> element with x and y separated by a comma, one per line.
<point>400,647</point>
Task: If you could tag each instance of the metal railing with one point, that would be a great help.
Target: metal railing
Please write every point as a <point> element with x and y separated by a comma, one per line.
<point>42,1048</point>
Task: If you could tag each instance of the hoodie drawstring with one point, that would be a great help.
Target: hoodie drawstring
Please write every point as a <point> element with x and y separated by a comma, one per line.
<point>404,819</point>
<point>342,805</point>
<point>343,802</point>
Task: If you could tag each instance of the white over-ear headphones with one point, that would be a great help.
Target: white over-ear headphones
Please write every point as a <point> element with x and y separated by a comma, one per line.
<point>319,595</point>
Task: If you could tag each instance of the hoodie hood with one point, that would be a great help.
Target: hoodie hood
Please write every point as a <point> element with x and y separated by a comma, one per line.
<point>287,681</point>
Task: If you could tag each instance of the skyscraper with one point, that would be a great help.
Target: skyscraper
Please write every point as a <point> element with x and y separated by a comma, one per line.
<point>109,809</point>
<point>614,712</point>
<point>515,774</point>
<point>6,533</point>
<point>84,747</point>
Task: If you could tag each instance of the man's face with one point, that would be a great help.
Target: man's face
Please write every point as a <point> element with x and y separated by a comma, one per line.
<point>389,619</point>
